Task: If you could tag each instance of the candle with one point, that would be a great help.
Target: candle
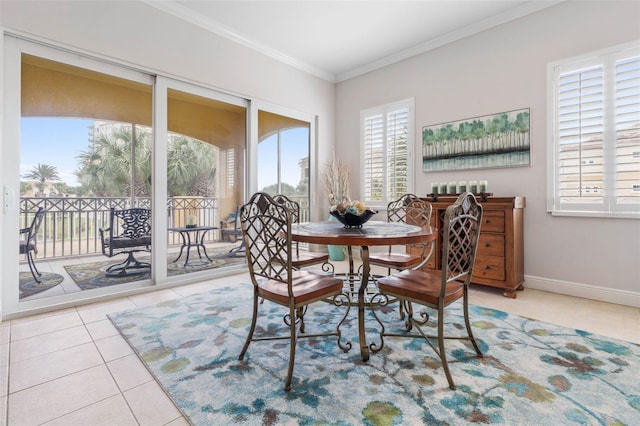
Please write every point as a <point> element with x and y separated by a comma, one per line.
<point>434,188</point>
<point>484,186</point>
<point>191,220</point>
<point>462,187</point>
<point>452,187</point>
<point>443,187</point>
<point>473,186</point>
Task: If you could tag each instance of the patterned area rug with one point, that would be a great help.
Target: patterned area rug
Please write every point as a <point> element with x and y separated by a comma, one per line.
<point>92,275</point>
<point>29,286</point>
<point>532,373</point>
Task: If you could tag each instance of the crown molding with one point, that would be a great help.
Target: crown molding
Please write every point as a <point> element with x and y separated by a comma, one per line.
<point>216,27</point>
<point>499,19</point>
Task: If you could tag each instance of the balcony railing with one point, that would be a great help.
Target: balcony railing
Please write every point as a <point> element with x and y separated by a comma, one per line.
<point>71,224</point>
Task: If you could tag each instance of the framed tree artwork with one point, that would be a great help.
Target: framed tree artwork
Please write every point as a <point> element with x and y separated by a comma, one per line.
<point>498,140</point>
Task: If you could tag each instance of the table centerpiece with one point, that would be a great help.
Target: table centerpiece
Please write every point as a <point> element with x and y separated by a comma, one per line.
<point>352,214</point>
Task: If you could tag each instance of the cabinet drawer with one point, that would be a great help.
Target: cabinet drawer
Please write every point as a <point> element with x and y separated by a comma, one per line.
<point>492,221</point>
<point>490,245</point>
<point>489,267</point>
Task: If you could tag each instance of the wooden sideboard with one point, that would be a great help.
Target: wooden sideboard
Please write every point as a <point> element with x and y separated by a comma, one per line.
<point>500,253</point>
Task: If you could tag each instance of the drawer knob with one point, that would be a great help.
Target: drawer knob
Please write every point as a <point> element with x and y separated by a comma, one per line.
<point>487,221</point>
<point>487,245</point>
<point>487,267</point>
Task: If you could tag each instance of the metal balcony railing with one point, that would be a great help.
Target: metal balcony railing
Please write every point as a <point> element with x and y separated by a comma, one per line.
<point>71,224</point>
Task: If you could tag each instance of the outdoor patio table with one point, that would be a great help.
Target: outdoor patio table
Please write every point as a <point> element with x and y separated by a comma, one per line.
<point>199,232</point>
<point>372,233</point>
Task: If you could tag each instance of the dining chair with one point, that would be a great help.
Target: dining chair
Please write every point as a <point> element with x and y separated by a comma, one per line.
<point>411,210</point>
<point>266,231</point>
<point>29,242</point>
<point>306,258</point>
<point>437,290</point>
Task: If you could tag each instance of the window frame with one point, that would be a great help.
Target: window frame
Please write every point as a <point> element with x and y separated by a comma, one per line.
<point>608,208</point>
<point>384,110</point>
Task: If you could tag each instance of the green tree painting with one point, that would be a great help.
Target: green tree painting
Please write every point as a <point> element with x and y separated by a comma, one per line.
<point>500,140</point>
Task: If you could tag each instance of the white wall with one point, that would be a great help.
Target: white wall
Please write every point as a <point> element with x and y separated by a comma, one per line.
<point>500,70</point>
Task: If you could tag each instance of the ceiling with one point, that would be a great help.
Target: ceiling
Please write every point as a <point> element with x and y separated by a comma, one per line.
<point>337,40</point>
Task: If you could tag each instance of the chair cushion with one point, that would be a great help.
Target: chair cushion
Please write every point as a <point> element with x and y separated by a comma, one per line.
<point>421,287</point>
<point>231,231</point>
<point>394,260</point>
<point>307,287</point>
<point>125,242</point>
<point>308,258</point>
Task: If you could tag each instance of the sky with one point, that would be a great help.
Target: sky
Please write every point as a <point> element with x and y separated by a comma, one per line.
<point>58,141</point>
<point>53,141</point>
<point>294,147</point>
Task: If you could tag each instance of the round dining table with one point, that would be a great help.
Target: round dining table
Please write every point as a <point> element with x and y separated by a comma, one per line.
<point>372,233</point>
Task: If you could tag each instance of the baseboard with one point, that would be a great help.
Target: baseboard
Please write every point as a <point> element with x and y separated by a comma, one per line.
<point>602,294</point>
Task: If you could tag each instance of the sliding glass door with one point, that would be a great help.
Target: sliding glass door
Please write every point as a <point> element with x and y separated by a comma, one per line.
<point>283,156</point>
<point>83,133</point>
<point>83,137</point>
<point>206,143</point>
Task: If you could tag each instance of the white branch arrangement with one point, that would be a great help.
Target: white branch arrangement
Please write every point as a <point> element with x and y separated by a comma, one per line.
<point>336,182</point>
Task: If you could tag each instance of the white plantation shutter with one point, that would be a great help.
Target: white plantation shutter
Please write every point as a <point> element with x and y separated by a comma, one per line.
<point>595,124</point>
<point>230,171</point>
<point>374,166</point>
<point>627,133</point>
<point>386,147</point>
<point>581,135</point>
<point>397,153</point>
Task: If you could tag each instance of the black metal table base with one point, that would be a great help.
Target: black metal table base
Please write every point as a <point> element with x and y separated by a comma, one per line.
<point>198,241</point>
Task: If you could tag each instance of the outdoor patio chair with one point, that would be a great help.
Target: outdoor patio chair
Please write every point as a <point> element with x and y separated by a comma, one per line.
<point>437,290</point>
<point>230,228</point>
<point>29,242</point>
<point>307,258</point>
<point>129,232</point>
<point>266,227</point>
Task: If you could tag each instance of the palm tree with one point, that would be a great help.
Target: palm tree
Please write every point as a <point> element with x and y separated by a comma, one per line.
<point>191,167</point>
<point>24,187</point>
<point>43,173</point>
<point>106,168</point>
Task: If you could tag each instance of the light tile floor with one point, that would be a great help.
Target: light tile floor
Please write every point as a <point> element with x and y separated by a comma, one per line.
<point>71,367</point>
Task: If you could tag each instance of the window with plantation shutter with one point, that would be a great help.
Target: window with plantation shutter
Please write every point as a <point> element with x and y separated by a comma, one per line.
<point>230,158</point>
<point>387,141</point>
<point>594,124</point>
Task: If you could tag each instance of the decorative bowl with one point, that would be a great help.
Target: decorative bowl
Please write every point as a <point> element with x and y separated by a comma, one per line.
<point>350,220</point>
